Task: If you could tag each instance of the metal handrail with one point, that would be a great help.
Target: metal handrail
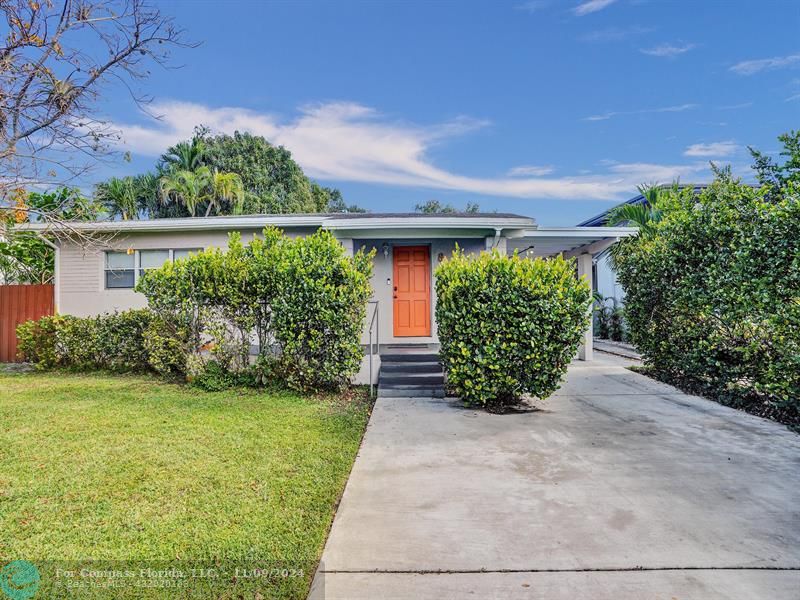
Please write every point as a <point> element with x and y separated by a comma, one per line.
<point>372,326</point>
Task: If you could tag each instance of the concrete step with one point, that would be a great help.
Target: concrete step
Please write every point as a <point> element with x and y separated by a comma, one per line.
<point>410,367</point>
<point>409,357</point>
<point>411,379</point>
<point>410,391</point>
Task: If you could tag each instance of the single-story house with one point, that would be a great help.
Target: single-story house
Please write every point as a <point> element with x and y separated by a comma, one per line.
<point>409,245</point>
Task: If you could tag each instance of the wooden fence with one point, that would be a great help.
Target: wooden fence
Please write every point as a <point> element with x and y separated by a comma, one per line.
<point>20,303</point>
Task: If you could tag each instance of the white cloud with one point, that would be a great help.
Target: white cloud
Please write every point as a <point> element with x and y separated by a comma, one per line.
<point>667,50</point>
<point>712,150</point>
<point>614,34</point>
<point>591,6</point>
<point>346,141</point>
<point>533,6</point>
<point>530,171</point>
<point>735,106</point>
<point>793,98</point>
<point>643,111</point>
<point>750,67</point>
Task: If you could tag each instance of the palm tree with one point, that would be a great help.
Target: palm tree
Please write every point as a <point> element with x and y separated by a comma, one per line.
<point>184,156</point>
<point>227,187</point>
<point>643,215</point>
<point>119,197</point>
<point>189,188</point>
<point>196,188</point>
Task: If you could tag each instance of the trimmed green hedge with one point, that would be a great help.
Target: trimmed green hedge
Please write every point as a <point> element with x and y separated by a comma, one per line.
<point>713,294</point>
<point>113,341</point>
<point>508,326</point>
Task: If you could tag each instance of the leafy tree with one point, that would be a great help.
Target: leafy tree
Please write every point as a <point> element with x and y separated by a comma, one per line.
<point>434,207</point>
<point>774,176</point>
<point>273,182</point>
<point>24,256</point>
<point>330,200</point>
<point>57,58</point>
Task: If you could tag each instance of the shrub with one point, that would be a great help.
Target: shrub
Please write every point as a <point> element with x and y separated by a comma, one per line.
<point>112,341</point>
<point>713,294</point>
<point>319,311</point>
<point>508,326</point>
<point>38,342</point>
<point>304,299</point>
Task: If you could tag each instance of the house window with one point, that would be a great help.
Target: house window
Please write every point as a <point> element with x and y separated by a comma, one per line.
<point>152,259</point>
<point>184,252</point>
<point>120,270</point>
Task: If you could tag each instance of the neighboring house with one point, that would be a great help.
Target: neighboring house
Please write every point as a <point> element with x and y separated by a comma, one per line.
<point>408,247</point>
<point>604,278</point>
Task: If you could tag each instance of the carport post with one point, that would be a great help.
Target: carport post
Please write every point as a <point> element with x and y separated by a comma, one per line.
<point>586,348</point>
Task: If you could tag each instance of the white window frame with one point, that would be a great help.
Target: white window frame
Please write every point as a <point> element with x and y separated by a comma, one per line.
<point>104,278</point>
<point>137,264</point>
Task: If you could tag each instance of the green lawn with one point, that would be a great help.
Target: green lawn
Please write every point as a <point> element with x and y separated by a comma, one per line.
<point>118,473</point>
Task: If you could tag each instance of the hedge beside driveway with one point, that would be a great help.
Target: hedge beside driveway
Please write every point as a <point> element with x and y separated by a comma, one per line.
<point>713,295</point>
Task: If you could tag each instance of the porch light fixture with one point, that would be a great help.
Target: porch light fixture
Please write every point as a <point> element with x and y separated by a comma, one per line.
<point>385,249</point>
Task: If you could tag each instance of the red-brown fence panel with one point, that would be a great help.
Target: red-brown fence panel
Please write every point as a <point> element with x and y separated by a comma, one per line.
<point>20,303</point>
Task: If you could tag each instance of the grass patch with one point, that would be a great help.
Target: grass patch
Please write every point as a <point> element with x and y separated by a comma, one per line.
<point>122,472</point>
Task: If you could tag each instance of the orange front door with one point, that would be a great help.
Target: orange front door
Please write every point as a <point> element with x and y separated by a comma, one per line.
<point>412,291</point>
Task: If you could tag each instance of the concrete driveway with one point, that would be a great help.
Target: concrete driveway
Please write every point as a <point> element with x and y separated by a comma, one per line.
<point>619,488</point>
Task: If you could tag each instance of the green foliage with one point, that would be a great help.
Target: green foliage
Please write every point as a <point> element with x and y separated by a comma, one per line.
<point>319,311</point>
<point>112,341</point>
<point>774,176</point>
<point>713,293</point>
<point>273,182</point>
<point>213,377</point>
<point>37,341</point>
<point>24,256</point>
<point>220,174</point>
<point>508,326</point>
<point>119,197</point>
<point>609,320</point>
<point>304,298</point>
<point>436,207</point>
<point>331,200</point>
<point>645,216</point>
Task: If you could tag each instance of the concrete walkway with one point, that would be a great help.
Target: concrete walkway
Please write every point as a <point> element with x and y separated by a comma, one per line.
<point>619,488</point>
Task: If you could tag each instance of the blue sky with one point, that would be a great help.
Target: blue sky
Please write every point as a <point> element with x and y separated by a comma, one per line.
<point>553,109</point>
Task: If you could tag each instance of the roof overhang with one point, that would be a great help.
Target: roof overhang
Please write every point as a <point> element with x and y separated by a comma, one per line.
<point>569,241</point>
<point>188,224</point>
<point>363,226</point>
